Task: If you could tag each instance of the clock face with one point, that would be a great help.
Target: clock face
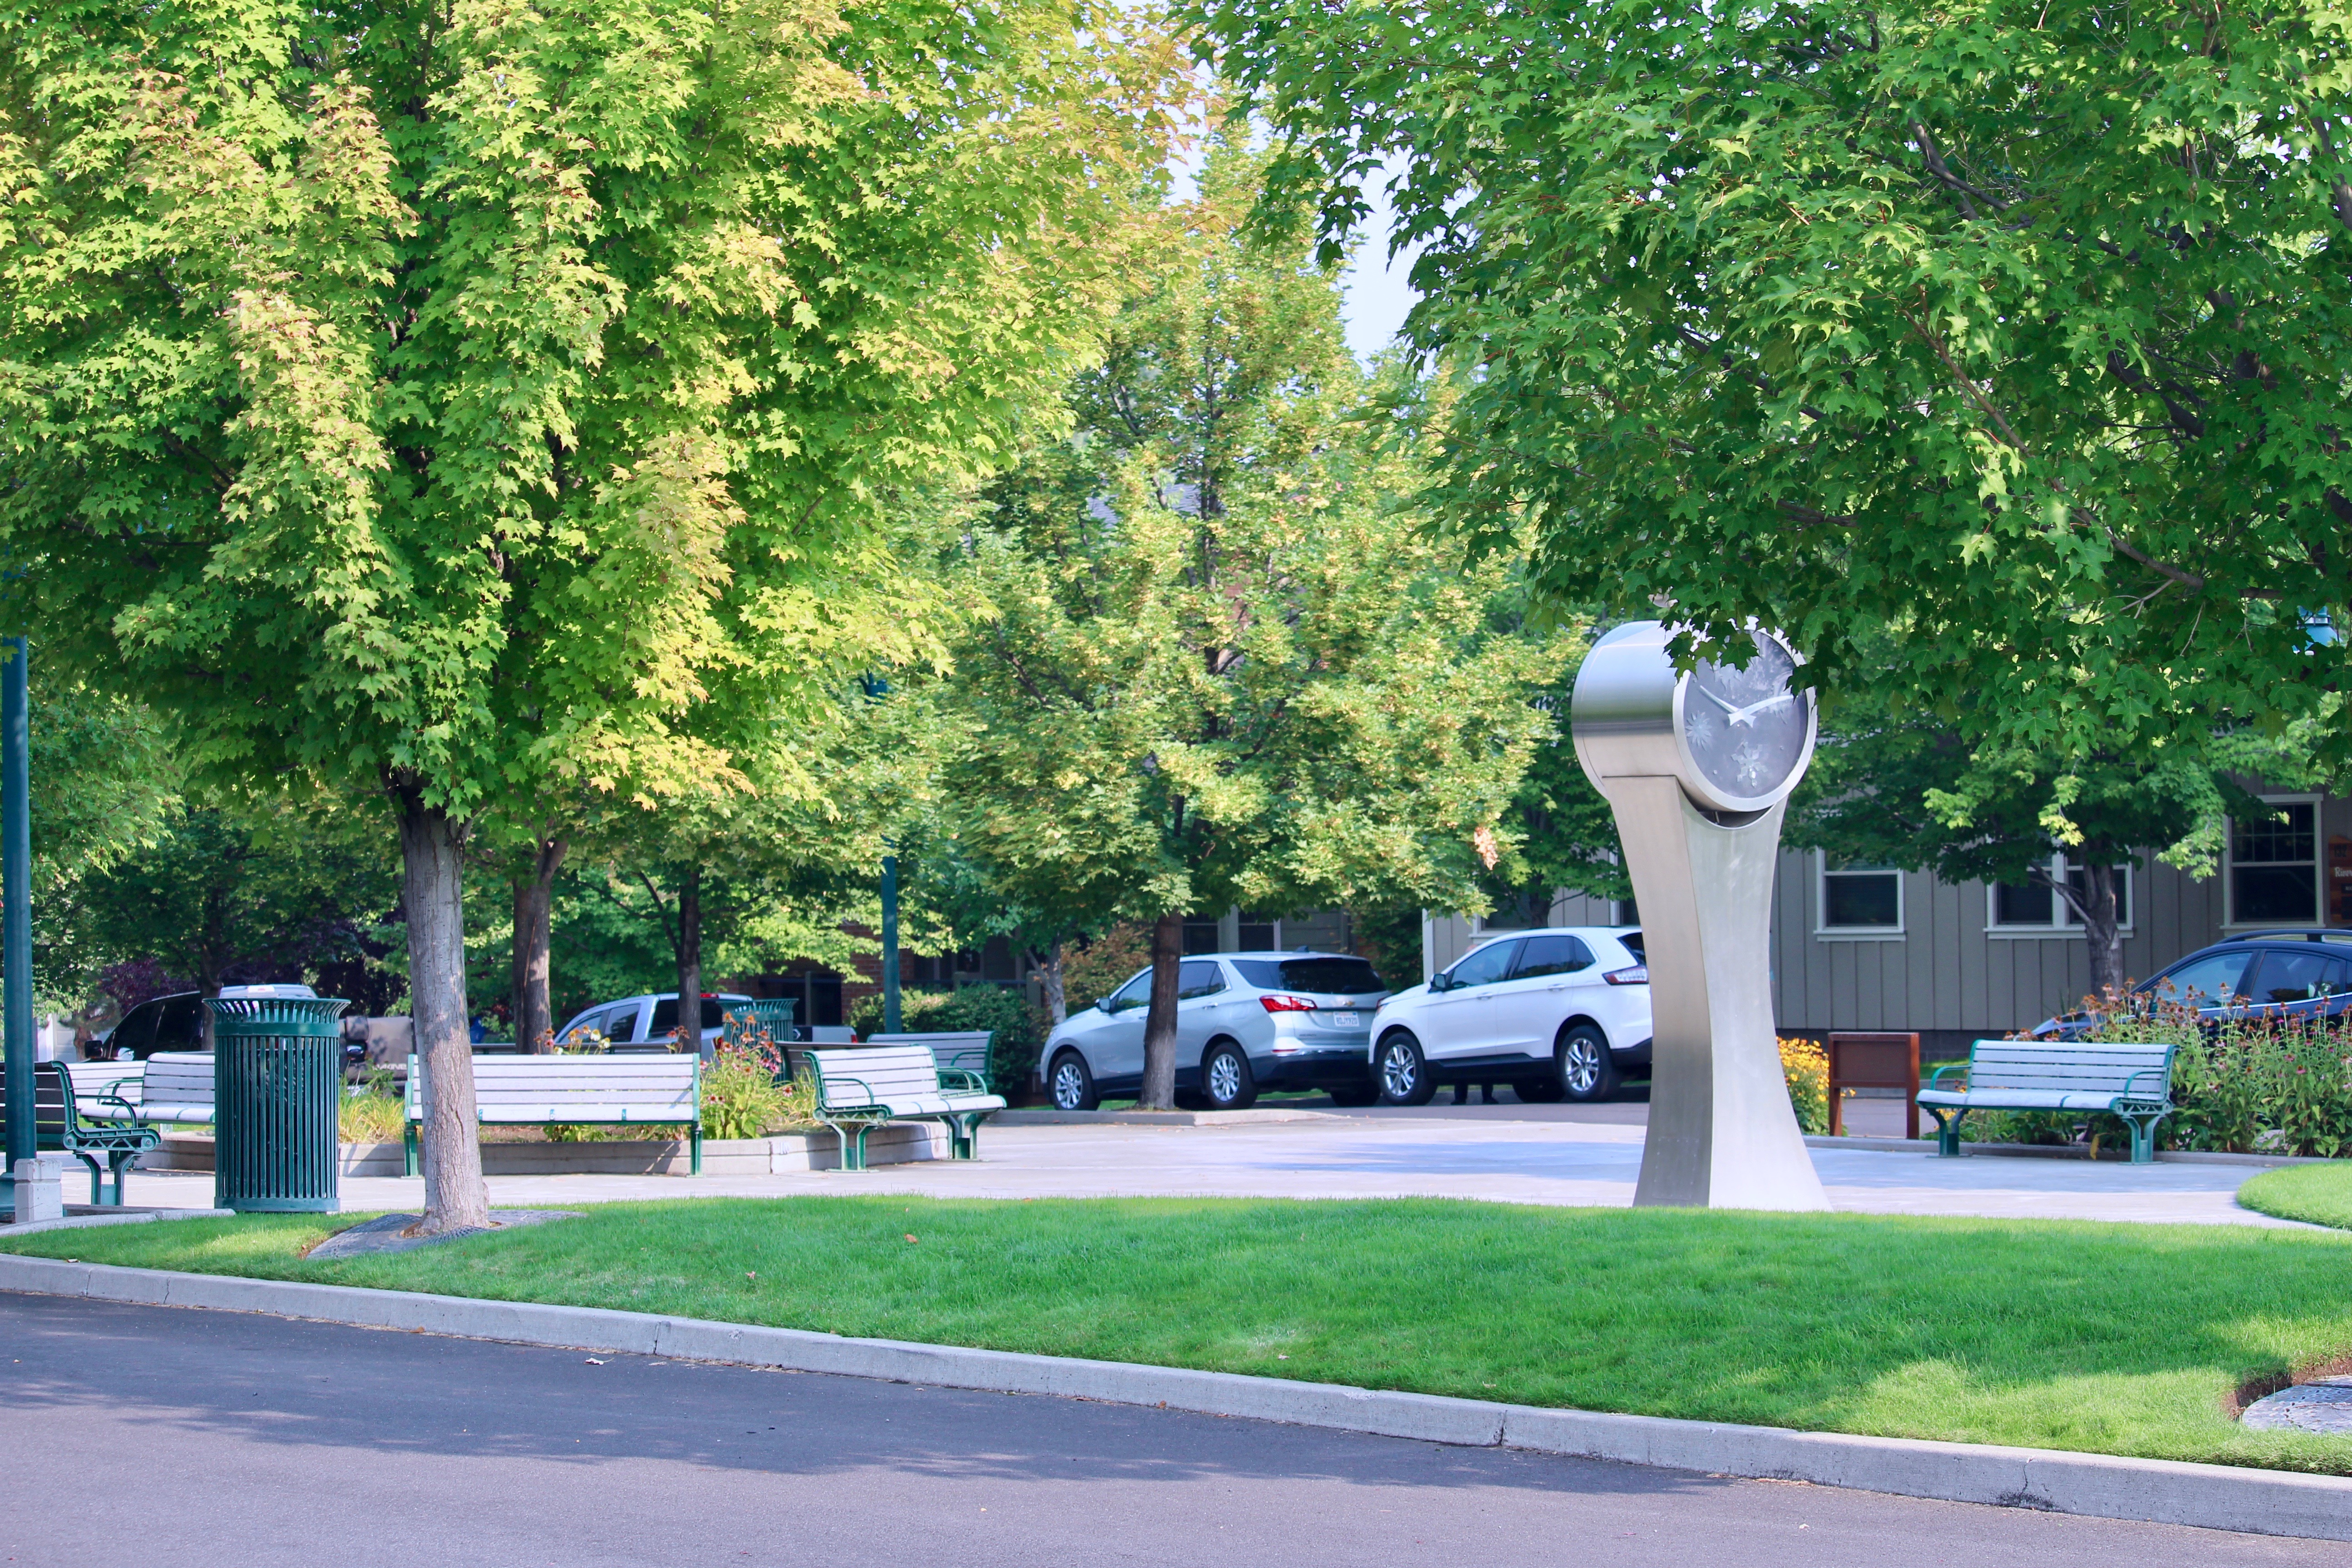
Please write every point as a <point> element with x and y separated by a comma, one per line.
<point>1747,733</point>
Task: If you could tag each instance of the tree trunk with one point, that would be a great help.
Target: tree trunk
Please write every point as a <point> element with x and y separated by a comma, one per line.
<point>1160,1021</point>
<point>2096,908</point>
<point>690,960</point>
<point>534,905</point>
<point>1049,972</point>
<point>433,894</point>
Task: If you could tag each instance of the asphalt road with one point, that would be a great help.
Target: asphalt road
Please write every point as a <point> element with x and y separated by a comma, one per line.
<point>139,1433</point>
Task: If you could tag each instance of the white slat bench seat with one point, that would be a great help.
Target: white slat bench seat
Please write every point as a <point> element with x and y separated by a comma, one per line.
<point>862,1087</point>
<point>2133,1082</point>
<point>171,1086</point>
<point>653,1090</point>
<point>962,1056</point>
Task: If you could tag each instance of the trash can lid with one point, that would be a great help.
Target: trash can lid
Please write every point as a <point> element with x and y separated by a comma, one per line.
<point>248,1015</point>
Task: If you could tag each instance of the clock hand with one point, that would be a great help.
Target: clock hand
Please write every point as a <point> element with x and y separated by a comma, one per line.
<point>1718,701</point>
<point>1747,715</point>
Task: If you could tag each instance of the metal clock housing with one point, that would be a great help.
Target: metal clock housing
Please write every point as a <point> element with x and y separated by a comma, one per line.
<point>1744,736</point>
<point>1736,740</point>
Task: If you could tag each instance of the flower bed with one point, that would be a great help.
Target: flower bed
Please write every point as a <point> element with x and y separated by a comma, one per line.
<point>2242,1086</point>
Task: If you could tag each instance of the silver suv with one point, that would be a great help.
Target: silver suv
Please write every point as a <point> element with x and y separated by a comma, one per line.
<point>1244,1022</point>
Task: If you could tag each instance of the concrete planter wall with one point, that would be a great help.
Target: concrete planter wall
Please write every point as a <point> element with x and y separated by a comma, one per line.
<point>786,1151</point>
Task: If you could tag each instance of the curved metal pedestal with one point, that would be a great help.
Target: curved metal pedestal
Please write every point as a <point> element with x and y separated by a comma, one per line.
<point>1722,1131</point>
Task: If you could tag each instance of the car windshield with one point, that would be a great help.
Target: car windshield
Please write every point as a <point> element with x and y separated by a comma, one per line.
<point>1340,976</point>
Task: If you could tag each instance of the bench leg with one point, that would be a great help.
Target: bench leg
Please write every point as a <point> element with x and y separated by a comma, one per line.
<point>694,1159</point>
<point>854,1150</point>
<point>2143,1138</point>
<point>121,1163</point>
<point>408,1148</point>
<point>1948,1130</point>
<point>97,1193</point>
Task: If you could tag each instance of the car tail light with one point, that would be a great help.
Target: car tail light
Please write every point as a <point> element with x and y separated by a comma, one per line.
<point>1637,975</point>
<point>1282,1002</point>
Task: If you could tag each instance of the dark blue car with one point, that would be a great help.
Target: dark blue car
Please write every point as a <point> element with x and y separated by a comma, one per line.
<point>2263,974</point>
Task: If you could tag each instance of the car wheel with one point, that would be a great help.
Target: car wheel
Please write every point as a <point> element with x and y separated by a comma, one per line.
<point>1586,1073</point>
<point>1072,1086</point>
<point>1225,1079</point>
<point>1404,1072</point>
<point>1353,1094</point>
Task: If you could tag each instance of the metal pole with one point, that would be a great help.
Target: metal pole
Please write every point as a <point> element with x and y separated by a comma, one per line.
<point>889,945</point>
<point>16,901</point>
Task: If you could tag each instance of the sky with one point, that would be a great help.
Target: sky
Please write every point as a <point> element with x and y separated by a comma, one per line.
<point>1374,294</point>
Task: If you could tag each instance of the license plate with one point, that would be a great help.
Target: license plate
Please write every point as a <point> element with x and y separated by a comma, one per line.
<point>1339,1020</point>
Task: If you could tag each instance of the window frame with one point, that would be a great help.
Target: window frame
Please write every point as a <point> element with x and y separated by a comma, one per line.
<point>2318,867</point>
<point>1577,944</point>
<point>2062,916</point>
<point>1209,962</point>
<point>1822,931</point>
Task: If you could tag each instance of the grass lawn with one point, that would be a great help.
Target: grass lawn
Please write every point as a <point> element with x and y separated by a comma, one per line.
<point>2124,1339</point>
<point>2317,1194</point>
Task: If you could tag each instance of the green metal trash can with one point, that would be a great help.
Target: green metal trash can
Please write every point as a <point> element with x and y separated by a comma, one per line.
<point>278,1090</point>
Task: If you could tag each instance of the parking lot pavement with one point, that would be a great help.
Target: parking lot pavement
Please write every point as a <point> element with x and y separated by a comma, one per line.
<point>228,1440</point>
<point>1487,1155</point>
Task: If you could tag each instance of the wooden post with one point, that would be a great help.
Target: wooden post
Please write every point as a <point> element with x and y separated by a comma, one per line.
<point>1874,1061</point>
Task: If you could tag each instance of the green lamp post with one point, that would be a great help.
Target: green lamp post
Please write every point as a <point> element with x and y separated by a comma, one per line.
<point>17,904</point>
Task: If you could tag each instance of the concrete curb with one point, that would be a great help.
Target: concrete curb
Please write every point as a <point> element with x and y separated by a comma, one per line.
<point>131,1216</point>
<point>1034,1117</point>
<point>2160,1491</point>
<point>2055,1151</point>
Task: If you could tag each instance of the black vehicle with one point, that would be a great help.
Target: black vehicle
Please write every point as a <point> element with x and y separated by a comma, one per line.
<point>2302,973</point>
<point>174,1023</point>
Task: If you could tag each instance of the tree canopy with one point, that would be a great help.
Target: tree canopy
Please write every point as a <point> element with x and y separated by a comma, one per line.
<point>2018,328</point>
<point>460,400</point>
<point>1214,664</point>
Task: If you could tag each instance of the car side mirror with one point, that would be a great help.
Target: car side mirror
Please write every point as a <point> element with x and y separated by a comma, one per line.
<point>1440,982</point>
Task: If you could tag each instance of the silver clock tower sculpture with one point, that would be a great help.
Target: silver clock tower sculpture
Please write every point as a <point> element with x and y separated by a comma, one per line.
<point>1697,769</point>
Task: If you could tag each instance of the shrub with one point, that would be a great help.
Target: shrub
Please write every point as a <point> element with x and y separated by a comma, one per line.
<point>1806,1068</point>
<point>1002,1010</point>
<point>741,1096</point>
<point>1092,972</point>
<point>2242,1086</point>
<point>374,1114</point>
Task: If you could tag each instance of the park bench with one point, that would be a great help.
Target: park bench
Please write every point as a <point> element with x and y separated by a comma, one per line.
<point>863,1087</point>
<point>2133,1082</point>
<point>574,1090</point>
<point>62,1125</point>
<point>170,1085</point>
<point>960,1050</point>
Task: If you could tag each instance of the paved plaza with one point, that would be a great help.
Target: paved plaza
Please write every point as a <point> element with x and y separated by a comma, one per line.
<point>1577,1156</point>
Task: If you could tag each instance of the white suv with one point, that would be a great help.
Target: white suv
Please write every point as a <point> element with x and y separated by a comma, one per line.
<point>1560,1014</point>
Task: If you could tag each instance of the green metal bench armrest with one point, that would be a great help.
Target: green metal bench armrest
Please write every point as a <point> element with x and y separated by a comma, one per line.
<point>969,1082</point>
<point>115,1098</point>
<point>2163,1077</point>
<point>1938,1080</point>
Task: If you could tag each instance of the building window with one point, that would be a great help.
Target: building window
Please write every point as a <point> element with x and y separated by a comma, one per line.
<point>1859,900</point>
<point>2036,909</point>
<point>1260,932</point>
<point>1201,934</point>
<point>2275,865</point>
<point>1624,912</point>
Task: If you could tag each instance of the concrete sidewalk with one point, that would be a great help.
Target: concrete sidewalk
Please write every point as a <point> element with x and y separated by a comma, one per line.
<point>1488,1154</point>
